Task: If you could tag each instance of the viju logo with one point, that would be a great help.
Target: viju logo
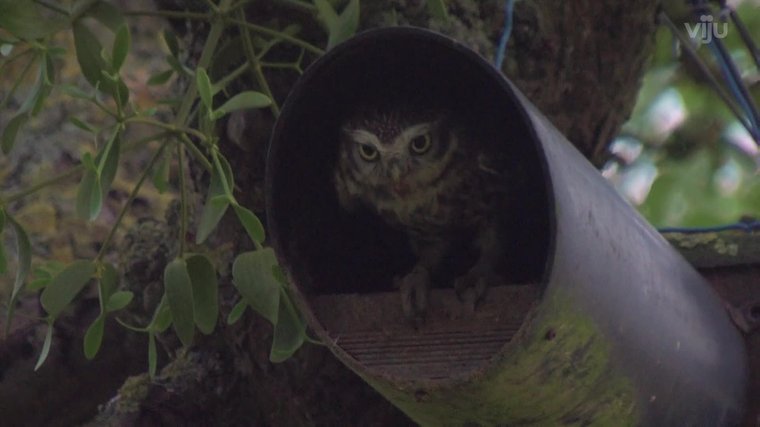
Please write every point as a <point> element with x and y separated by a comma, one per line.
<point>705,30</point>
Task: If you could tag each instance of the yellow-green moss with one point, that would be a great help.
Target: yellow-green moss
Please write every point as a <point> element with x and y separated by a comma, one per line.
<point>559,372</point>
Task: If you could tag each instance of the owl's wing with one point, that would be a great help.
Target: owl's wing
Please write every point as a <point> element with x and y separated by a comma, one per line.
<point>345,199</point>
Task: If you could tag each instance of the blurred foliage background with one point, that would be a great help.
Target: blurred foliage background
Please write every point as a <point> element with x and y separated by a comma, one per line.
<point>683,158</point>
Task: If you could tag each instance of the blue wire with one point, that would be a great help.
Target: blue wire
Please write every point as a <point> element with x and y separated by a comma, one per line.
<point>501,50</point>
<point>734,87</point>
<point>742,226</point>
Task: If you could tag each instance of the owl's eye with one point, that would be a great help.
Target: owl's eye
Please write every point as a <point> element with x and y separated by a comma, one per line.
<point>420,144</point>
<point>368,152</point>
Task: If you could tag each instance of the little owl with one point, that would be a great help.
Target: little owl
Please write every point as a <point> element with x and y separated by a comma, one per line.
<point>423,172</point>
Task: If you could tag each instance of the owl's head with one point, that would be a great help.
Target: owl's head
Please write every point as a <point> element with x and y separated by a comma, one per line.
<point>396,152</point>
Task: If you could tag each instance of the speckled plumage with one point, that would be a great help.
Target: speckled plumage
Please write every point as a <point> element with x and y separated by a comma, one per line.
<point>436,196</point>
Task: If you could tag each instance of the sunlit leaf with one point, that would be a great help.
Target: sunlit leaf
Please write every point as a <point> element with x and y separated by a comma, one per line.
<point>24,253</point>
<point>162,316</point>
<point>43,274</point>
<point>94,337</point>
<point>245,100</point>
<point>213,212</point>
<point>179,295</point>
<point>237,312</point>
<point>205,292</point>
<point>251,223</point>
<point>119,300</point>
<point>45,347</point>
<point>109,282</point>
<point>204,88</point>
<point>108,162</point>
<point>89,196</point>
<point>339,26</point>
<point>252,275</point>
<point>121,45</point>
<point>65,286</point>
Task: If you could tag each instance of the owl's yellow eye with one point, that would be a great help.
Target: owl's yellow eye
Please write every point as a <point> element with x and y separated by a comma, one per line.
<point>420,144</point>
<point>368,152</point>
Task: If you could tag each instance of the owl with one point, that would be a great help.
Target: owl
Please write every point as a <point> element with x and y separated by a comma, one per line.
<point>425,173</point>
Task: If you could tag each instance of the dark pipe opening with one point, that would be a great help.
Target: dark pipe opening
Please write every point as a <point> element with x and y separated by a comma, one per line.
<point>328,251</point>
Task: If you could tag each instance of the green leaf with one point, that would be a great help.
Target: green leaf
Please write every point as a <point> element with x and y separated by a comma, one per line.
<point>94,337</point>
<point>326,14</point>
<point>213,211</point>
<point>75,92</point>
<point>121,45</point>
<point>339,27</point>
<point>92,64</point>
<point>171,42</point>
<point>162,316</point>
<point>205,292</point>
<point>88,49</point>
<point>45,347</point>
<point>26,20</point>
<point>65,286</point>
<point>152,355</point>
<point>179,295</point>
<point>48,71</point>
<point>109,282</point>
<point>204,87</point>
<point>119,300</point>
<point>251,223</point>
<point>82,125</point>
<point>160,78</point>
<point>89,162</point>
<point>89,196</point>
<point>252,275</point>
<point>43,274</point>
<point>437,9</point>
<point>11,130</point>
<point>108,162</point>
<point>3,260</point>
<point>6,49</point>
<point>107,14</point>
<point>237,312</point>
<point>160,176</point>
<point>289,333</point>
<point>24,253</point>
<point>245,100</point>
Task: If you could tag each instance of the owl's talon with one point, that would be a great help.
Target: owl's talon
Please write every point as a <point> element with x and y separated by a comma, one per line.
<point>414,294</point>
<point>471,288</point>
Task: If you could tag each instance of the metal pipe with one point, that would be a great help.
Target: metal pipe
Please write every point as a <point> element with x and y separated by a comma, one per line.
<point>616,327</point>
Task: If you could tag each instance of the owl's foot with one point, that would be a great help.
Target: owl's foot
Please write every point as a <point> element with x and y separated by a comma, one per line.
<point>471,288</point>
<point>414,294</point>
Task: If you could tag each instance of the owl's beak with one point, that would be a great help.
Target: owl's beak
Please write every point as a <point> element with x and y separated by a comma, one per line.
<point>396,172</point>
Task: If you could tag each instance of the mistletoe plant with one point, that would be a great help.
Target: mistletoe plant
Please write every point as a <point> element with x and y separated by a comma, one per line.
<point>28,32</point>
